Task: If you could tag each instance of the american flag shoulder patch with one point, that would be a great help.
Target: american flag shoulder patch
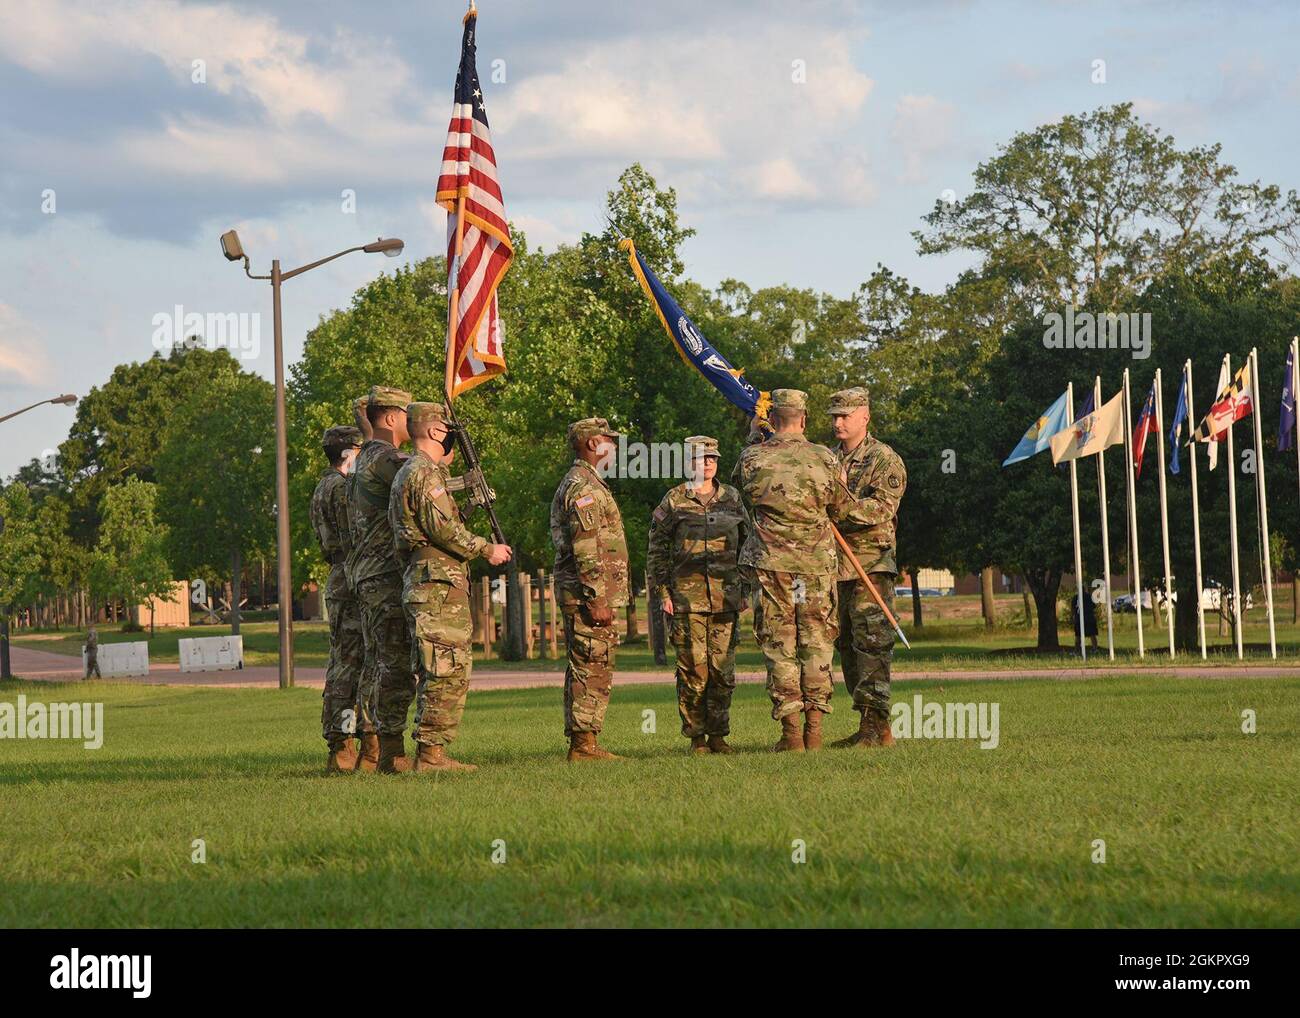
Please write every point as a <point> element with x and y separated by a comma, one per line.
<point>660,514</point>
<point>439,491</point>
<point>585,501</point>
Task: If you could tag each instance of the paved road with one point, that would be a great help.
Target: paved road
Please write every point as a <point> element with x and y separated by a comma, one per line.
<point>43,666</point>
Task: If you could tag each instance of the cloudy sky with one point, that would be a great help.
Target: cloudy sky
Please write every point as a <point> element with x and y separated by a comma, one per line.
<point>805,139</point>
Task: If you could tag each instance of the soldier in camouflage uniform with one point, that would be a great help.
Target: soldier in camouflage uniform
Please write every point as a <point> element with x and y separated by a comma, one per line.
<point>876,479</point>
<point>388,681</point>
<point>329,520</point>
<point>591,583</point>
<point>695,538</point>
<point>793,490</point>
<point>436,548</point>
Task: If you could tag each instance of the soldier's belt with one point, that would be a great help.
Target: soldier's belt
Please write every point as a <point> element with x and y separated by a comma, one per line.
<point>424,552</point>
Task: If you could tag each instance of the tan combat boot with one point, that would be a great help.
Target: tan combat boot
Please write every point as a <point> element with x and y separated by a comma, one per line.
<point>435,758</point>
<point>368,761</point>
<point>583,746</point>
<point>718,744</point>
<point>791,737</point>
<point>343,758</point>
<point>884,733</point>
<point>392,755</point>
<point>812,730</point>
<point>699,744</point>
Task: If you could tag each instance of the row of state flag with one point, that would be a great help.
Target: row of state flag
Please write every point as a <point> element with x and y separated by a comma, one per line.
<point>1098,426</point>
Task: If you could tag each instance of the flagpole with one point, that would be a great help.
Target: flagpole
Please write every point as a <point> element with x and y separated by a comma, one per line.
<point>1295,390</point>
<point>1105,527</point>
<point>1261,494</point>
<point>1232,523</point>
<point>1080,586</point>
<point>1164,511</point>
<point>1135,569</point>
<point>1196,505</point>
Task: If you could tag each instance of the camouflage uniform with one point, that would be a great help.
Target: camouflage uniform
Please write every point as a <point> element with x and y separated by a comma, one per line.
<point>375,575</point>
<point>92,654</point>
<point>792,489</point>
<point>329,520</point>
<point>436,547</point>
<point>695,540</point>
<point>590,572</point>
<point>876,480</point>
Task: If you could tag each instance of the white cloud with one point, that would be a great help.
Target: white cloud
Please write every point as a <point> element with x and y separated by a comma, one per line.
<point>22,362</point>
<point>922,129</point>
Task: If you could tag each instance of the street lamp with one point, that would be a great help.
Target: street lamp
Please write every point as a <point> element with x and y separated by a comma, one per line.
<point>234,252</point>
<point>67,399</point>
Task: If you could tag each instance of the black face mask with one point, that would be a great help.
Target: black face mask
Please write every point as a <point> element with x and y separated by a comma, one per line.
<point>448,442</point>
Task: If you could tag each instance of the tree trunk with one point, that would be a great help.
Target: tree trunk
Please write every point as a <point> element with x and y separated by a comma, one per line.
<point>514,647</point>
<point>914,576</point>
<point>236,566</point>
<point>1186,635</point>
<point>5,673</point>
<point>986,596</point>
<point>1046,585</point>
<point>1295,597</point>
<point>1029,610</point>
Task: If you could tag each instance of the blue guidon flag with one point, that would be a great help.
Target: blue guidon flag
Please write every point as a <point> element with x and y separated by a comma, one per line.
<point>691,345</point>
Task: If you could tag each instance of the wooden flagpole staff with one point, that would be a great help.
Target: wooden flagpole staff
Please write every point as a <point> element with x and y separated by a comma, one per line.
<point>871,587</point>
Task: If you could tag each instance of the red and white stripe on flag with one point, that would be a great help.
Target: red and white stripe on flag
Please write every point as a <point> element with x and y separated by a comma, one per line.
<point>469,171</point>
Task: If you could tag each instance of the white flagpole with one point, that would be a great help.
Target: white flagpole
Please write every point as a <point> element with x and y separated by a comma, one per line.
<point>1196,506</point>
<point>1232,523</point>
<point>1261,494</point>
<point>1105,526</point>
<point>1135,570</point>
<point>1080,586</point>
<point>1295,394</point>
<point>1164,511</point>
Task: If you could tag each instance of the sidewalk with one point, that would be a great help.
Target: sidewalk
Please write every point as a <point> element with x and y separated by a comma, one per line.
<point>45,667</point>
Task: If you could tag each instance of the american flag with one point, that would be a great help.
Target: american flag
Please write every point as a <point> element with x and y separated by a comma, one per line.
<point>469,170</point>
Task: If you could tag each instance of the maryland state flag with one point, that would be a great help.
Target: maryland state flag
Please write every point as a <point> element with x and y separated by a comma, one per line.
<point>1233,402</point>
<point>691,345</point>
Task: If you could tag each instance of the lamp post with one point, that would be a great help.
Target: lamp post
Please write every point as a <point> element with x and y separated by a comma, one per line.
<point>67,399</point>
<point>234,251</point>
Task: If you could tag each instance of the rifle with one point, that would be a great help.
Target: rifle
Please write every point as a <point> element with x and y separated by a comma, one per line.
<point>472,480</point>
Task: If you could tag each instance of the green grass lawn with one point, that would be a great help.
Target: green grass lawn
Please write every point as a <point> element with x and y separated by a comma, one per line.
<point>1200,821</point>
<point>954,637</point>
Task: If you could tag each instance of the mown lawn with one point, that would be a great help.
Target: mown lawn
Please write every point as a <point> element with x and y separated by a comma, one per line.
<point>1200,821</point>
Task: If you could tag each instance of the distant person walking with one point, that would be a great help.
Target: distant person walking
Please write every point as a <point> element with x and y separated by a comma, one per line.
<point>92,653</point>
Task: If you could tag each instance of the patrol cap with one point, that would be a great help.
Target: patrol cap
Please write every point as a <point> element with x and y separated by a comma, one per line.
<point>847,400</point>
<point>388,398</point>
<point>590,427</point>
<point>702,445</point>
<point>420,415</point>
<point>789,399</point>
<point>341,436</point>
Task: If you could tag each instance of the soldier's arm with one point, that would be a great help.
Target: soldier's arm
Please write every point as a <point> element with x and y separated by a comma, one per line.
<point>442,523</point>
<point>583,519</point>
<point>658,560</point>
<point>885,486</point>
<point>326,537</point>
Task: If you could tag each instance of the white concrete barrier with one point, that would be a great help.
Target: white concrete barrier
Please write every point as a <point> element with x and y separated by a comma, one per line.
<point>120,659</point>
<point>212,654</point>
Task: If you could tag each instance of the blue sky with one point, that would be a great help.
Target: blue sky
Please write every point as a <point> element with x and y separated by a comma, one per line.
<point>804,182</point>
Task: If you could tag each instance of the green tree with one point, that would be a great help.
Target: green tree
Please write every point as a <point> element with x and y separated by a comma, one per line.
<point>129,559</point>
<point>20,560</point>
<point>216,474</point>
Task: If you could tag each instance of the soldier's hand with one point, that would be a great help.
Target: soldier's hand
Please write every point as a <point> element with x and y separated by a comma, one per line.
<point>498,554</point>
<point>600,614</point>
<point>666,606</point>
